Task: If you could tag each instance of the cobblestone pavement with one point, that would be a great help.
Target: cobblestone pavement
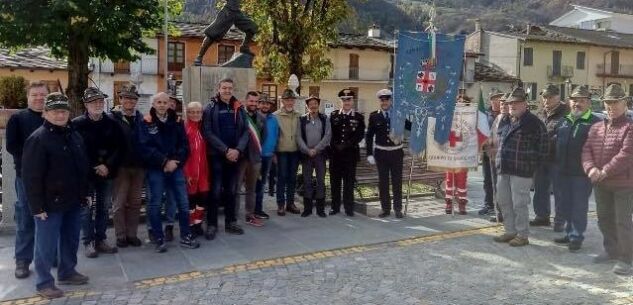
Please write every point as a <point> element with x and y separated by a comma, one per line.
<point>463,267</point>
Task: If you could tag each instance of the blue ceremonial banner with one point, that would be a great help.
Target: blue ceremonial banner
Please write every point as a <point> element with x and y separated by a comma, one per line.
<point>425,88</point>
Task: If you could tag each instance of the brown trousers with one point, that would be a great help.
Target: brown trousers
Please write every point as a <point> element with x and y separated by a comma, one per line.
<point>126,198</point>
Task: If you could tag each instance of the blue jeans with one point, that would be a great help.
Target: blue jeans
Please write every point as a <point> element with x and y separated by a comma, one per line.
<point>573,194</point>
<point>545,175</point>
<point>59,229</point>
<point>174,182</point>
<point>25,226</point>
<point>94,218</point>
<point>261,182</point>
<point>168,204</point>
<point>287,165</point>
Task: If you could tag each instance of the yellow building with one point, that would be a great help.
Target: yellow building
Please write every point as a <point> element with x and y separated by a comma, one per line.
<point>35,64</point>
<point>539,55</point>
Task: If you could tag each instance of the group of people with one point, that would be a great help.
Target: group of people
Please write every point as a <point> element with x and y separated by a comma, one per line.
<point>568,150</point>
<point>69,173</point>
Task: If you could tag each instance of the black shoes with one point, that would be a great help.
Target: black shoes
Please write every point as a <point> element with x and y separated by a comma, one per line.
<point>486,210</point>
<point>292,209</point>
<point>306,213</point>
<point>540,222</point>
<point>559,227</point>
<point>134,241</point>
<point>121,242</point>
<point>189,242</point>
<point>75,279</point>
<point>233,229</point>
<point>562,240</point>
<point>21,270</point>
<point>161,246</point>
<point>399,214</point>
<point>384,214</point>
<point>349,213</point>
<point>261,215</point>
<point>103,247</point>
<point>50,292</point>
<point>333,212</point>
<point>169,232</point>
<point>574,245</point>
<point>209,234</point>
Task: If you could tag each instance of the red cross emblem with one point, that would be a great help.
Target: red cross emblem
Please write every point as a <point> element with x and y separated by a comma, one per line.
<point>425,82</point>
<point>453,139</point>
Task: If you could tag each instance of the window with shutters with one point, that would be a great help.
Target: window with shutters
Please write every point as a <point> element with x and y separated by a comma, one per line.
<point>528,56</point>
<point>353,66</point>
<point>176,56</point>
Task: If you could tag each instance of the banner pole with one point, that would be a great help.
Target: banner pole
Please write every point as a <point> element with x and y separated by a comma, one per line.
<point>454,194</point>
<point>406,204</point>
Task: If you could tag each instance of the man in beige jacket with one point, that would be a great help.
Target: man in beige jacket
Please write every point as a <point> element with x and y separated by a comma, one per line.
<point>287,154</point>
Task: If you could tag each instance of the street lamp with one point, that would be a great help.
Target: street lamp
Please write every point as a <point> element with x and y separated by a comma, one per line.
<point>567,87</point>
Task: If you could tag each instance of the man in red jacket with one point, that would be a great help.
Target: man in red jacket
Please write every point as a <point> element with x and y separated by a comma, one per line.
<point>607,158</point>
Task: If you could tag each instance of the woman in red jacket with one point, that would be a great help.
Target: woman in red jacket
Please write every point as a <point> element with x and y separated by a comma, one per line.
<point>196,168</point>
<point>607,158</point>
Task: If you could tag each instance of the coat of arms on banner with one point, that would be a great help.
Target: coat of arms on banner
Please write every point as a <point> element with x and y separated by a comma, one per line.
<point>425,81</point>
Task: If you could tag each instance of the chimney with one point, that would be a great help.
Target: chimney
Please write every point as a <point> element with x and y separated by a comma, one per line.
<point>374,31</point>
<point>477,25</point>
<point>528,29</point>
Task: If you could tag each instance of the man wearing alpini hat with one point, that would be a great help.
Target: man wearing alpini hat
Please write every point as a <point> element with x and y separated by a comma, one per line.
<point>523,146</point>
<point>56,185</point>
<point>102,136</point>
<point>572,187</point>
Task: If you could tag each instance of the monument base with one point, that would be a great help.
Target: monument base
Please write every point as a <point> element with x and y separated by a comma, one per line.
<point>200,82</point>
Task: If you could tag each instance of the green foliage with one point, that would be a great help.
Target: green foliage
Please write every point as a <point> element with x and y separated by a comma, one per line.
<point>13,92</point>
<point>294,35</point>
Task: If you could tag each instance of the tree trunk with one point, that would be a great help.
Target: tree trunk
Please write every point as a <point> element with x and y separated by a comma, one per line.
<point>78,58</point>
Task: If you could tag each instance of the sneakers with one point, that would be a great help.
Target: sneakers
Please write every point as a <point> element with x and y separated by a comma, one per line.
<point>603,258</point>
<point>209,234</point>
<point>90,251</point>
<point>254,221</point>
<point>233,229</point>
<point>562,240</point>
<point>134,241</point>
<point>291,208</point>
<point>121,243</point>
<point>622,268</point>
<point>574,245</point>
<point>261,215</point>
<point>399,214</point>
<point>504,238</point>
<point>161,246</point>
<point>519,242</point>
<point>169,232</point>
<point>103,247</point>
<point>75,279</point>
<point>50,292</point>
<point>22,270</point>
<point>189,242</point>
<point>384,214</point>
<point>539,221</point>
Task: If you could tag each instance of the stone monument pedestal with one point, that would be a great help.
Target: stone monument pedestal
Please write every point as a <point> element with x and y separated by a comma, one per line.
<point>200,82</point>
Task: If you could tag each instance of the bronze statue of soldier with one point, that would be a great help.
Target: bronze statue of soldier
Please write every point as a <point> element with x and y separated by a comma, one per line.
<point>228,16</point>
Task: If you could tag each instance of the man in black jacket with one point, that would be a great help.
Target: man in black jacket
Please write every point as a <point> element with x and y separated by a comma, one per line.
<point>386,155</point>
<point>102,136</point>
<point>128,183</point>
<point>20,126</point>
<point>224,128</point>
<point>348,129</point>
<point>164,148</point>
<point>55,173</point>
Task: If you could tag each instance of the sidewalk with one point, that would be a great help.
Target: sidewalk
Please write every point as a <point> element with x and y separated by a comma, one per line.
<point>280,237</point>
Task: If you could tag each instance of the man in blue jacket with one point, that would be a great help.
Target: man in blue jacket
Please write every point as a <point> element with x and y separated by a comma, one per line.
<point>20,126</point>
<point>55,172</point>
<point>224,128</point>
<point>164,147</point>
<point>572,187</point>
<point>269,144</point>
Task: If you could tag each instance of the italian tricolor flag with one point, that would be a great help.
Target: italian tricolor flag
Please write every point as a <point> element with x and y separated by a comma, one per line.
<point>483,129</point>
<point>254,133</point>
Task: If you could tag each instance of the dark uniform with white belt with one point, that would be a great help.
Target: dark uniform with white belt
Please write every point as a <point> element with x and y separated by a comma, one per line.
<point>348,129</point>
<point>386,154</point>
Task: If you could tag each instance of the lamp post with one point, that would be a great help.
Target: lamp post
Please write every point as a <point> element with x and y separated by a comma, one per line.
<point>567,88</point>
<point>171,85</point>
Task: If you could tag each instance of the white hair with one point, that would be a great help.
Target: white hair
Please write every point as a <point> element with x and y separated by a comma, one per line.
<point>194,104</point>
<point>159,95</point>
